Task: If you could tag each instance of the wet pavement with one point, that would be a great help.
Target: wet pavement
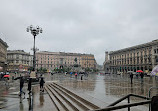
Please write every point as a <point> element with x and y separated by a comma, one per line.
<point>99,89</point>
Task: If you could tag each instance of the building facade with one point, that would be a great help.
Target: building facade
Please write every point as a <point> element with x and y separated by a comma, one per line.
<point>18,60</point>
<point>141,57</point>
<point>3,55</point>
<point>52,60</point>
<point>88,61</point>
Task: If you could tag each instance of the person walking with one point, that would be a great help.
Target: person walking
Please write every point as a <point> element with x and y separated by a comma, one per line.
<point>82,77</point>
<point>71,74</point>
<point>76,75</point>
<point>131,76</point>
<point>29,85</point>
<point>6,81</point>
<point>141,76</point>
<point>21,86</point>
<point>41,84</point>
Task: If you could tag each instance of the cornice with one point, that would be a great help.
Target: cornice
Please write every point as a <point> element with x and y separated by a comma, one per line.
<point>149,44</point>
<point>4,43</point>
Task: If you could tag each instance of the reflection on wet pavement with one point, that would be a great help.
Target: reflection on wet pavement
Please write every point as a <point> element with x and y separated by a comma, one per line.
<point>104,89</point>
<point>101,90</point>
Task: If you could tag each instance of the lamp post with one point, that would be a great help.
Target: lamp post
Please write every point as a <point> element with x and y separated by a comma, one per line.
<point>34,31</point>
<point>6,64</point>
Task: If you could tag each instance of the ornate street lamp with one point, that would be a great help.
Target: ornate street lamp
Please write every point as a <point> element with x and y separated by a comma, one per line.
<point>34,31</point>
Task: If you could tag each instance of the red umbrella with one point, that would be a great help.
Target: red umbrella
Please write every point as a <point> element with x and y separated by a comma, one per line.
<point>6,76</point>
<point>139,71</point>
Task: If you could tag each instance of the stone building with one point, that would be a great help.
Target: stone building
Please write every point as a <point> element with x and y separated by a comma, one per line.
<point>88,61</point>
<point>3,55</point>
<point>18,60</point>
<point>140,57</point>
<point>52,60</point>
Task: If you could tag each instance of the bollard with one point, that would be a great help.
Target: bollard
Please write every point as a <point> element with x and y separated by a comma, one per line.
<point>154,103</point>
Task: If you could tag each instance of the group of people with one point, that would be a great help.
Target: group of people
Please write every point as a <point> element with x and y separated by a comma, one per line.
<point>77,74</point>
<point>30,85</point>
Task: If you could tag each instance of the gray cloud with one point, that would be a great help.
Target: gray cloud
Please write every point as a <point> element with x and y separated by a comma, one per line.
<point>84,26</point>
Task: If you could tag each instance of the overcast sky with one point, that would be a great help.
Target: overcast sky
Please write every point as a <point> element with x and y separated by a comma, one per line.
<point>80,26</point>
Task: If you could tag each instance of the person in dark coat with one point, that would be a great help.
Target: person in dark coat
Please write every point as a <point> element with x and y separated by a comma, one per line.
<point>41,84</point>
<point>82,77</point>
<point>141,76</point>
<point>131,76</point>
<point>21,86</point>
<point>29,85</point>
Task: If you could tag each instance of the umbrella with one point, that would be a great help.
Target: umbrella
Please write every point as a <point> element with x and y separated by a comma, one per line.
<point>130,72</point>
<point>155,71</point>
<point>139,71</point>
<point>6,76</point>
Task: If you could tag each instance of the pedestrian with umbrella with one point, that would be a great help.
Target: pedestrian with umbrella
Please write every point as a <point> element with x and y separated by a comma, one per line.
<point>71,74</point>
<point>6,78</point>
<point>76,75</point>
<point>21,86</point>
<point>141,75</point>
